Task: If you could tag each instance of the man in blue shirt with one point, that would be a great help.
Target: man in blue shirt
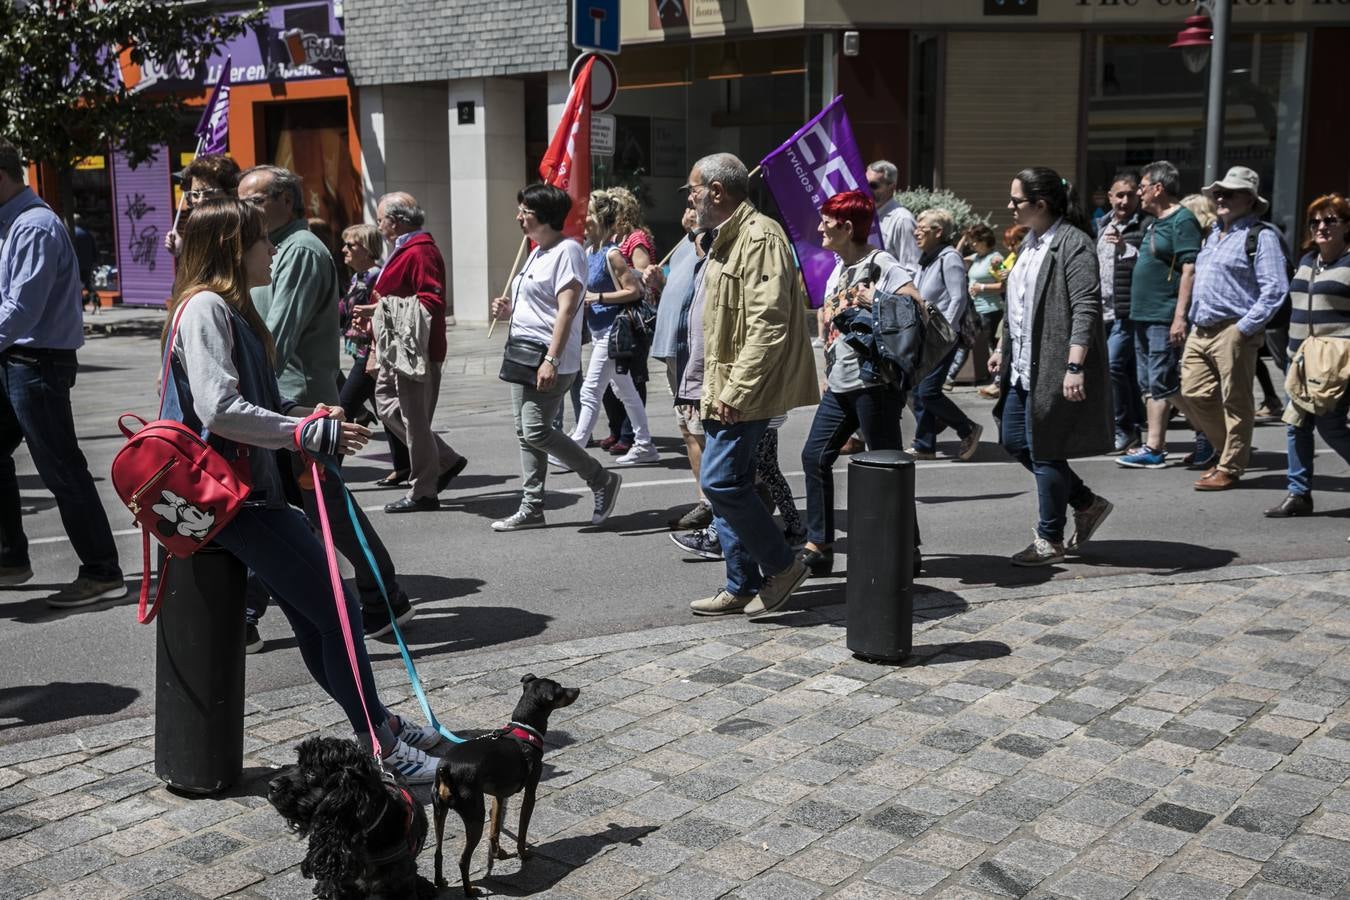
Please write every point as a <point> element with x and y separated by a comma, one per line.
<point>1234,296</point>
<point>41,327</point>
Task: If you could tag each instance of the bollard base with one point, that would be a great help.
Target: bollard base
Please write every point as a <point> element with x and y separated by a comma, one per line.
<point>881,660</point>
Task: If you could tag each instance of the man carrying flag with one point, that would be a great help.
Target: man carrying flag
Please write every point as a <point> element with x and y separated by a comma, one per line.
<point>211,173</point>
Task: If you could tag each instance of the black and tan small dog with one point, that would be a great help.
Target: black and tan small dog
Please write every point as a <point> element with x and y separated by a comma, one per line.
<point>365,828</point>
<point>498,764</point>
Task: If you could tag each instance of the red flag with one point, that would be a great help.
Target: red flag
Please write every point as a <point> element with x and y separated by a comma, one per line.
<point>567,164</point>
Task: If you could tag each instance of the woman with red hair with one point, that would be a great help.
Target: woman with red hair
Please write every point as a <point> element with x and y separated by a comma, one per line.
<point>1320,306</point>
<point>859,392</point>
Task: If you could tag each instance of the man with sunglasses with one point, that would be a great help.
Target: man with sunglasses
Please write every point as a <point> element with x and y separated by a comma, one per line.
<point>894,221</point>
<point>207,177</point>
<point>1235,295</point>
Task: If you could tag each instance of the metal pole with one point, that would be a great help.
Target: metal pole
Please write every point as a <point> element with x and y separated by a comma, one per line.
<point>1218,69</point>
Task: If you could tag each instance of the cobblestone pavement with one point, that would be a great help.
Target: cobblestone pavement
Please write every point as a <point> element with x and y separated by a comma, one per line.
<point>1127,736</point>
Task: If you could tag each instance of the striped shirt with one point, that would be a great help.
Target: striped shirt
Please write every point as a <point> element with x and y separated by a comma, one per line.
<point>1228,285</point>
<point>1319,299</point>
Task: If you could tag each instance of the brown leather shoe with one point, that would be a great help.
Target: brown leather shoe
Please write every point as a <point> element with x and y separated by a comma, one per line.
<point>1216,480</point>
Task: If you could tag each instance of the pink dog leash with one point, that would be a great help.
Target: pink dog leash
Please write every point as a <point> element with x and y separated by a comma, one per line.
<point>334,576</point>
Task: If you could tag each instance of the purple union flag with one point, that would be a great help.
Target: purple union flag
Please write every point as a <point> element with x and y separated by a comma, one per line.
<point>214,128</point>
<point>820,160</point>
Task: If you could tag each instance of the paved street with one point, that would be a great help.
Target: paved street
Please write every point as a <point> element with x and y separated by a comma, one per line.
<point>1165,715</point>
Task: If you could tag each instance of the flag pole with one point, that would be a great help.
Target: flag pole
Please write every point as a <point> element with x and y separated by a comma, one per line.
<point>182,191</point>
<point>520,254</point>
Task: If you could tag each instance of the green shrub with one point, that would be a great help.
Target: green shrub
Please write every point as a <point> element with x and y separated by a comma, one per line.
<point>918,199</point>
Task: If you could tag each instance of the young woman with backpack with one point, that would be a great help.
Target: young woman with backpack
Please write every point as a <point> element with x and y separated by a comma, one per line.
<point>223,384</point>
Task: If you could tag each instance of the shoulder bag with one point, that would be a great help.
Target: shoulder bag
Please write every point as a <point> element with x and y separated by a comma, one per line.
<point>522,356</point>
<point>176,485</point>
<point>1319,372</point>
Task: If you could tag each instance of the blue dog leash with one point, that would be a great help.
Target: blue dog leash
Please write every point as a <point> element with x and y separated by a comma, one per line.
<point>393,619</point>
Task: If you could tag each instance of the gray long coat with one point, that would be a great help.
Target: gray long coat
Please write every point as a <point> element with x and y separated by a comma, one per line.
<point>1067,310</point>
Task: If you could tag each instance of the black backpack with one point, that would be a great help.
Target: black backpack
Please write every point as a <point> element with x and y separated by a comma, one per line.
<point>1279,321</point>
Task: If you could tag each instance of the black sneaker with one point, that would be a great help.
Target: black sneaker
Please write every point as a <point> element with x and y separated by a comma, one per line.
<point>253,641</point>
<point>702,543</point>
<point>376,616</point>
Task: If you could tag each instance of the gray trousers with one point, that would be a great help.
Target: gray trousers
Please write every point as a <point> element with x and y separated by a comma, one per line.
<point>406,408</point>
<point>533,411</point>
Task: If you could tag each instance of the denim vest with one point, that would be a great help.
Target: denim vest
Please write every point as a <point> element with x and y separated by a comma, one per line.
<point>599,316</point>
<point>257,385</point>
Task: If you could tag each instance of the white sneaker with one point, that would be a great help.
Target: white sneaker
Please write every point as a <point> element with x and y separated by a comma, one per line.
<point>423,738</point>
<point>641,453</point>
<point>411,763</point>
<point>519,521</point>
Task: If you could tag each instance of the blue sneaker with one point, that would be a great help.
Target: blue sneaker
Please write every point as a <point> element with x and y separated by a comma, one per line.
<point>1144,458</point>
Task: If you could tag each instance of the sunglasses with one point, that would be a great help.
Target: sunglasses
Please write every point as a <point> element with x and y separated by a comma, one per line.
<point>199,195</point>
<point>1328,221</point>
<point>1222,195</point>
<point>876,185</point>
<point>351,245</point>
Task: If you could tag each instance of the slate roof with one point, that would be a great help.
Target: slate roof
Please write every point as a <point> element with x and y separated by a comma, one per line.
<point>409,41</point>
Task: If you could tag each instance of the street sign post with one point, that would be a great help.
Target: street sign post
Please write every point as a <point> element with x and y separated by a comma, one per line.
<point>595,25</point>
<point>604,79</point>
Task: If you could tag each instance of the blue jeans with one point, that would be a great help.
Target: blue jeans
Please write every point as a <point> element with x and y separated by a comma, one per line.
<point>35,407</point>
<point>934,411</point>
<point>1057,486</point>
<point>345,541</point>
<point>1334,431</point>
<point>877,412</point>
<point>1129,403</point>
<point>751,542</point>
<point>279,548</point>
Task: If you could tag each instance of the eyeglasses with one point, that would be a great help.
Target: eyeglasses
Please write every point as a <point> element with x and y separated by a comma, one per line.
<point>196,196</point>
<point>526,211</point>
<point>1018,201</point>
<point>1221,195</point>
<point>691,188</point>
<point>1328,221</point>
<point>351,245</point>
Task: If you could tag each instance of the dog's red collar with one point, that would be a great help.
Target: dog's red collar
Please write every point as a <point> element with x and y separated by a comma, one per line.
<point>525,733</point>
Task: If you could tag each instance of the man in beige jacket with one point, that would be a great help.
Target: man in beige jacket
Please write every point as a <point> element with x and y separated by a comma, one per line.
<point>757,364</point>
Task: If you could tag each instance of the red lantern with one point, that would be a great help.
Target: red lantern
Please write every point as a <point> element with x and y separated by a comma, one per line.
<point>1194,41</point>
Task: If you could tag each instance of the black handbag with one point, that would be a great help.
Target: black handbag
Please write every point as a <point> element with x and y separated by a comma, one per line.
<point>522,356</point>
<point>521,359</point>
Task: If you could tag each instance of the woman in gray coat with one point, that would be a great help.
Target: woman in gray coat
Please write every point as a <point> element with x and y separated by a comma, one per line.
<point>1052,362</point>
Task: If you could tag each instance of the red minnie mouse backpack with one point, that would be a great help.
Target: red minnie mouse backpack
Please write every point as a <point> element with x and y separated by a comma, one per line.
<point>178,488</point>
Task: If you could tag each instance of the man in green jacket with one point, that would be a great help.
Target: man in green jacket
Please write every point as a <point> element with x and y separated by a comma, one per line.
<point>757,364</point>
<point>300,308</point>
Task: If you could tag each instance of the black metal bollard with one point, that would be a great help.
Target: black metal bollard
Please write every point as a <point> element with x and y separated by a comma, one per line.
<point>880,593</point>
<point>199,673</point>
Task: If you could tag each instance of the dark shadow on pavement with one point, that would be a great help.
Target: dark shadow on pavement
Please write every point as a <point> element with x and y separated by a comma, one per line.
<point>34,608</point>
<point>1159,557</point>
<point>60,700</point>
<point>985,569</point>
<point>550,862</point>
<point>454,629</point>
<point>961,651</point>
<point>955,498</point>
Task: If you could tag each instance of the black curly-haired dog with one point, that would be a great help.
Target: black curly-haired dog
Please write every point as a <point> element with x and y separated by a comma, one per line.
<point>499,764</point>
<point>365,828</point>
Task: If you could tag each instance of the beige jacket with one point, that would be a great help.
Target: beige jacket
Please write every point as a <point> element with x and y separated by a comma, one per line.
<point>402,331</point>
<point>758,357</point>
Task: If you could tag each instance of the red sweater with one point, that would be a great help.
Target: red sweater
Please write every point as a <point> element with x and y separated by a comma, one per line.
<point>417,268</point>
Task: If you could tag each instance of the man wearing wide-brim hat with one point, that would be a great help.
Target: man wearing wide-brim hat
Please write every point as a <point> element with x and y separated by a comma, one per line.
<point>1239,285</point>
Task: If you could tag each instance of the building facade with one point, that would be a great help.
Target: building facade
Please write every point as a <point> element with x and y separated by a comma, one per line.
<point>297,114</point>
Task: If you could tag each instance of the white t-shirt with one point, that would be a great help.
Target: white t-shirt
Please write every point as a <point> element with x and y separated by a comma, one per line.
<point>534,297</point>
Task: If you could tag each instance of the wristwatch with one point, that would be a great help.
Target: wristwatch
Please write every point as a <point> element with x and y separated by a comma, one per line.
<point>1074,368</point>
<point>551,360</point>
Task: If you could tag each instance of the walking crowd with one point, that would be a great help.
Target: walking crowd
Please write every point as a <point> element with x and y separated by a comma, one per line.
<point>1097,335</point>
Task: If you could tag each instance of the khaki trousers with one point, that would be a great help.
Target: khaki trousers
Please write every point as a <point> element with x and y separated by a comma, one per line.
<point>406,408</point>
<point>1217,368</point>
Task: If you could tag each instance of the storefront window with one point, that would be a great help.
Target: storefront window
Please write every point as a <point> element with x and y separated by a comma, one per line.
<point>678,103</point>
<point>1144,105</point>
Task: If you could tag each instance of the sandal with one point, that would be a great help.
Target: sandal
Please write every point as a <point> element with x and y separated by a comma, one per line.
<point>393,479</point>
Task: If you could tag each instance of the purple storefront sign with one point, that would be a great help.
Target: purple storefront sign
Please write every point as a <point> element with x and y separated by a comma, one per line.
<point>144,204</point>
<point>820,160</point>
<point>260,54</point>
